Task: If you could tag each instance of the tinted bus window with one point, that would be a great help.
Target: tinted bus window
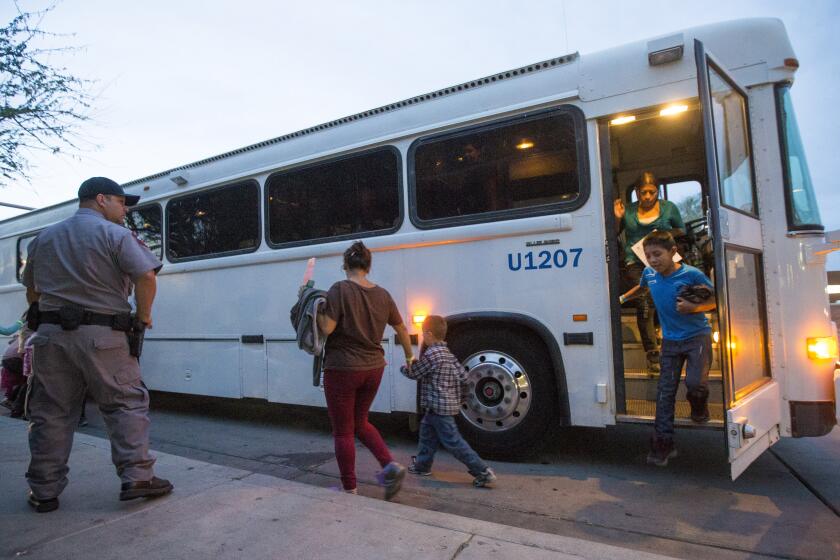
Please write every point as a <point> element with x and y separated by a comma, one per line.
<point>213,223</point>
<point>146,223</point>
<point>343,198</point>
<point>521,165</point>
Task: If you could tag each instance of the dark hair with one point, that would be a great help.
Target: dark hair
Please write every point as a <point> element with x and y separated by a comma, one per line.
<point>659,239</point>
<point>436,325</point>
<point>646,178</point>
<point>357,257</point>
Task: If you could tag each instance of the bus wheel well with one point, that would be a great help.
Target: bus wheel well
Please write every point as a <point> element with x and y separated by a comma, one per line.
<point>523,326</point>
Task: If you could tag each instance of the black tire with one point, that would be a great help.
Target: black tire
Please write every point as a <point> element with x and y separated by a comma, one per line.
<point>527,432</point>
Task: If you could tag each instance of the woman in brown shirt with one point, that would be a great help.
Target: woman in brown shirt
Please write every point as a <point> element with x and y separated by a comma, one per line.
<point>354,318</point>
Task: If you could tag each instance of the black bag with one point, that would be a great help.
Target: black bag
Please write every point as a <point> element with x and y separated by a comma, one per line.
<point>695,294</point>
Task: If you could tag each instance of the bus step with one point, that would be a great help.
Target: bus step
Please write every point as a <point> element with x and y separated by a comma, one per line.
<point>643,411</point>
<point>643,388</point>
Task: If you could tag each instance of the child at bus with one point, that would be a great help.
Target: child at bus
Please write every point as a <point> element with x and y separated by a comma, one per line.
<point>441,377</point>
<point>682,294</point>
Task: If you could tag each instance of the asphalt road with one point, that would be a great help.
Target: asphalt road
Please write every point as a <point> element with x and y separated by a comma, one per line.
<point>585,483</point>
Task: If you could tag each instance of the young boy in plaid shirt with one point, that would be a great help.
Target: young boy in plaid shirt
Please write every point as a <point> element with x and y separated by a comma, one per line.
<point>441,377</point>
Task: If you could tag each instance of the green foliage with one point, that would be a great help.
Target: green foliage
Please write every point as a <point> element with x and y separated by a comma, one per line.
<point>40,105</point>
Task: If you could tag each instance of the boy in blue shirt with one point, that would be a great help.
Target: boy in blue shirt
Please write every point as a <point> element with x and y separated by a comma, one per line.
<point>682,294</point>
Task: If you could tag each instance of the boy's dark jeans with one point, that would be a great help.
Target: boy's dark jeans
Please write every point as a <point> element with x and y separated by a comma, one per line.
<point>696,353</point>
<point>436,430</point>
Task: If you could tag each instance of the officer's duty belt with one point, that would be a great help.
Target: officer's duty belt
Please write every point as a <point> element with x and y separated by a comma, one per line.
<point>119,322</point>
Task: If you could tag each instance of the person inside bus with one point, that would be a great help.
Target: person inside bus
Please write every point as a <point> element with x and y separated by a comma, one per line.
<point>354,320</point>
<point>647,214</point>
<point>479,191</point>
<point>682,295</point>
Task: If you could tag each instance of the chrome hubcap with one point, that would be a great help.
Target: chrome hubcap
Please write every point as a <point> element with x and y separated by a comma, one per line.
<point>499,391</point>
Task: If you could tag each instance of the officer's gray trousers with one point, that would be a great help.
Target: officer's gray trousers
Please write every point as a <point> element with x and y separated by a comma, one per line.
<point>64,365</point>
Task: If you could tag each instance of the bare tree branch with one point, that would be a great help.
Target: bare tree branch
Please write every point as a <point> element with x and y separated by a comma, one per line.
<point>41,105</point>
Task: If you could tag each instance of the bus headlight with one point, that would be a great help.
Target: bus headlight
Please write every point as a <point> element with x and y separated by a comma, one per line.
<point>822,348</point>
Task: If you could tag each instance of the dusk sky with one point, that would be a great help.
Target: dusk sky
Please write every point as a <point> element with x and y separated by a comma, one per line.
<point>180,81</point>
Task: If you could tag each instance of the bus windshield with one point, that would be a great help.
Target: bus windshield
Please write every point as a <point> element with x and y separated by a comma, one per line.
<point>802,211</point>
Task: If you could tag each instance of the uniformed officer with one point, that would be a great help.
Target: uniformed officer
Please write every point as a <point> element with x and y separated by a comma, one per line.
<point>80,271</point>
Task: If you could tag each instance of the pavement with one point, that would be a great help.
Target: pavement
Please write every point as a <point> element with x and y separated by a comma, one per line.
<point>223,512</point>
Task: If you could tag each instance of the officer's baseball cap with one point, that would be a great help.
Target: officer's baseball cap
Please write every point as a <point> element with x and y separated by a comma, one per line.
<point>103,185</point>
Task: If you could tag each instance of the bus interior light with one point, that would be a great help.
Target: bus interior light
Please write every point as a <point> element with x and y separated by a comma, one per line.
<point>418,319</point>
<point>525,145</point>
<point>822,347</point>
<point>673,110</point>
<point>623,120</point>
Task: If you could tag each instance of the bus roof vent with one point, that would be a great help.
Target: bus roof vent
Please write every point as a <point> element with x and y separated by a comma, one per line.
<point>472,84</point>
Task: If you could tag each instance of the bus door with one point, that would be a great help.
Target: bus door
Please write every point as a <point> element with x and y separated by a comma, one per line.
<point>751,396</point>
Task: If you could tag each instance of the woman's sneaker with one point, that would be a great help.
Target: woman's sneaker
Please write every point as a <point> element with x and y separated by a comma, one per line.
<point>484,479</point>
<point>391,477</point>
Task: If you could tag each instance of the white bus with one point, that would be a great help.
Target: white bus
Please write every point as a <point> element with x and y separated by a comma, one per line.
<point>491,202</point>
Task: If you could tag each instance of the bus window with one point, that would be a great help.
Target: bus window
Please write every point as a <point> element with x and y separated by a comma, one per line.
<point>217,222</point>
<point>732,142</point>
<point>145,222</point>
<point>519,165</point>
<point>802,211</point>
<point>348,197</point>
<point>686,195</point>
<point>23,253</point>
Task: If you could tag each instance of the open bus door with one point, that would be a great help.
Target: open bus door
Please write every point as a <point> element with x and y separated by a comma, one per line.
<point>751,396</point>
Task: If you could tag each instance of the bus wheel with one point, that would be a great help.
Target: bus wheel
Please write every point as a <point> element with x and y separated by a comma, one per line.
<point>510,397</point>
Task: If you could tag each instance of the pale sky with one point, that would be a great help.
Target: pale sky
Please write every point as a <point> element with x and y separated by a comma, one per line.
<point>178,81</point>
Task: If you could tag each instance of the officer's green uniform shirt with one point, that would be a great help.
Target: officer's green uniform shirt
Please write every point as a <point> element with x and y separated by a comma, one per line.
<point>669,218</point>
<point>88,261</point>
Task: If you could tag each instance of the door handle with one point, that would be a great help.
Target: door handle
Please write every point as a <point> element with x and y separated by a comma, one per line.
<point>738,431</point>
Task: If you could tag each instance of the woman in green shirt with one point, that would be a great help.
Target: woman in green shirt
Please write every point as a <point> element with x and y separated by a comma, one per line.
<point>649,213</point>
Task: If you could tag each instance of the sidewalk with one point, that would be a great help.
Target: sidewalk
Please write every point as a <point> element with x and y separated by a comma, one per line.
<point>220,512</point>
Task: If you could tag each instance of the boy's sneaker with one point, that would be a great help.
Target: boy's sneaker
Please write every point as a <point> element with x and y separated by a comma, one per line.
<point>485,478</point>
<point>661,451</point>
<point>412,468</point>
<point>699,403</point>
<point>700,413</point>
<point>391,477</point>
